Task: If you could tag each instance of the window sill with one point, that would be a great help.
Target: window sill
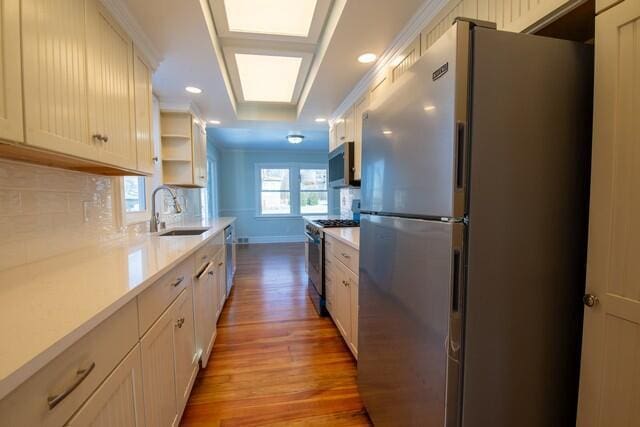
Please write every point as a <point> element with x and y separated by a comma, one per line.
<point>290,216</point>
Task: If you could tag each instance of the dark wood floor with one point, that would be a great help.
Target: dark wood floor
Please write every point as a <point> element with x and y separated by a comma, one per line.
<point>275,362</point>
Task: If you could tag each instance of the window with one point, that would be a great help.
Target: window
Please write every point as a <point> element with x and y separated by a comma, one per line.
<point>134,197</point>
<point>279,194</point>
<point>313,191</point>
<point>275,197</point>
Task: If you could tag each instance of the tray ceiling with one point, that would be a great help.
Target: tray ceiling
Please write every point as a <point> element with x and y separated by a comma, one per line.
<point>267,49</point>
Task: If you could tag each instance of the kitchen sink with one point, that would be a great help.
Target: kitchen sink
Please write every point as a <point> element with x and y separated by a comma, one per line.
<point>184,232</point>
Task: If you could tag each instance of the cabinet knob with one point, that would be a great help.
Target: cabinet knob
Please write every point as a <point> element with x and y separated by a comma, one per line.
<point>97,136</point>
<point>590,300</point>
<point>105,138</point>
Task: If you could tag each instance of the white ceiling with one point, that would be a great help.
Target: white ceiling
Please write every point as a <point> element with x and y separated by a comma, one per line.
<point>178,32</point>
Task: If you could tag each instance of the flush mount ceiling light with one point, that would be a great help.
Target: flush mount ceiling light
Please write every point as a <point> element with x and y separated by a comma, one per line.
<point>320,120</point>
<point>214,122</point>
<point>295,138</point>
<point>278,17</point>
<point>387,132</point>
<point>429,108</point>
<point>367,58</point>
<point>193,89</point>
<point>267,78</point>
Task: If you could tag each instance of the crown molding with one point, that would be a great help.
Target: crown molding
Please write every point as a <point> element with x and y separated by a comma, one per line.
<point>124,17</point>
<point>425,14</point>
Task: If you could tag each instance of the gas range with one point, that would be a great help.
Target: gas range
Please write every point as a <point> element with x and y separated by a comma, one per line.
<point>332,223</point>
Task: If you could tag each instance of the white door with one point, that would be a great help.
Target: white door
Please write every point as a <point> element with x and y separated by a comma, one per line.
<point>158,373</point>
<point>111,88</point>
<point>610,368</point>
<point>118,401</point>
<point>10,72</point>
<point>55,114</point>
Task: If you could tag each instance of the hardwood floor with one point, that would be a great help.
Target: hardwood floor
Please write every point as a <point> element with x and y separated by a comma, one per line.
<point>275,362</point>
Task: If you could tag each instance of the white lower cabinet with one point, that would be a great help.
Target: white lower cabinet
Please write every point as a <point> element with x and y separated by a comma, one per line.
<point>118,401</point>
<point>205,303</point>
<point>341,286</point>
<point>169,362</point>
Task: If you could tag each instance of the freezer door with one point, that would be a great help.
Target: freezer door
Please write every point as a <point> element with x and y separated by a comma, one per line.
<point>408,338</point>
<point>413,146</point>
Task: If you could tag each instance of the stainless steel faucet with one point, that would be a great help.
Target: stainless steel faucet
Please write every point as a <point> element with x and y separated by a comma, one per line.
<point>155,216</point>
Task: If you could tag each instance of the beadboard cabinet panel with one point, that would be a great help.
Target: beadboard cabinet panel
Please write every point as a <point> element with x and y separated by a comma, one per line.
<point>111,88</point>
<point>55,76</point>
<point>10,72</point>
<point>118,401</point>
<point>143,106</point>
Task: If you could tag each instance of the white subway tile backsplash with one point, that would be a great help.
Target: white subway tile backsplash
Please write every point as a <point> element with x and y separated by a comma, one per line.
<point>46,211</point>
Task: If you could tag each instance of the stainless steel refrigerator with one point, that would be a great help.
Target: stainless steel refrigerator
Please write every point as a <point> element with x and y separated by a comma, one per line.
<point>473,234</point>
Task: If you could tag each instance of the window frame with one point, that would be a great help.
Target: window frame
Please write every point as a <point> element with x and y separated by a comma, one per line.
<point>294,188</point>
<point>129,218</point>
<point>300,190</point>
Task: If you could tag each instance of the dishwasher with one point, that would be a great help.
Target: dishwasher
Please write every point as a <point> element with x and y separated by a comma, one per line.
<point>228,243</point>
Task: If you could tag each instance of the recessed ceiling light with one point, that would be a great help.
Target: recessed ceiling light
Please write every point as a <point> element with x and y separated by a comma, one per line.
<point>367,58</point>
<point>279,17</point>
<point>387,132</point>
<point>320,120</point>
<point>214,122</point>
<point>295,138</point>
<point>267,78</point>
<point>193,89</point>
<point>429,108</point>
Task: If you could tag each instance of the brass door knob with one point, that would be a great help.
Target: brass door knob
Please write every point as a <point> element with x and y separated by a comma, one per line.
<point>590,300</point>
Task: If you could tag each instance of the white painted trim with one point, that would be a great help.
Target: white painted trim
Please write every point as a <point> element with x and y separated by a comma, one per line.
<point>124,17</point>
<point>416,24</point>
<point>275,239</point>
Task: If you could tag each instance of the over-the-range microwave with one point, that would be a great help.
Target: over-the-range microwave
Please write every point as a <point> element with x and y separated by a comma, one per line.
<point>342,166</point>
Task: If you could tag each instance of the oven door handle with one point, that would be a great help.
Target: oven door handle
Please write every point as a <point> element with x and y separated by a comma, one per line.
<point>315,239</point>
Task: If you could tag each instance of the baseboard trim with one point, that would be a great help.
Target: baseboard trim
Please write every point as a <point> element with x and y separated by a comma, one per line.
<point>276,239</point>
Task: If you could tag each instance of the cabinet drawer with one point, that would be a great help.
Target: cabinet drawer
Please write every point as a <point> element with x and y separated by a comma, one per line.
<point>76,373</point>
<point>155,299</point>
<point>346,254</point>
<point>205,254</point>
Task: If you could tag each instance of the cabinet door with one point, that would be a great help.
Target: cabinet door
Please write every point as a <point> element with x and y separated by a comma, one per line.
<point>111,88</point>
<point>185,346</point>
<point>350,124</point>
<point>360,109</point>
<point>118,401</point>
<point>333,137</point>
<point>221,280</point>
<point>342,300</point>
<point>352,280</point>
<point>199,156</point>
<point>159,377</point>
<point>341,131</point>
<point>610,378</point>
<point>55,76</point>
<point>205,301</point>
<point>10,72</point>
<point>329,285</point>
<point>143,105</point>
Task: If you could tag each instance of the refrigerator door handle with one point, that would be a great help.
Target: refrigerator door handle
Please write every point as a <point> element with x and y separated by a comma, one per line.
<point>460,153</point>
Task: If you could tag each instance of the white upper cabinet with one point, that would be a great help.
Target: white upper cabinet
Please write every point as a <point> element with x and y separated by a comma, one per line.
<point>184,149</point>
<point>143,107</point>
<point>10,74</point>
<point>55,76</point>
<point>111,88</point>
<point>199,155</point>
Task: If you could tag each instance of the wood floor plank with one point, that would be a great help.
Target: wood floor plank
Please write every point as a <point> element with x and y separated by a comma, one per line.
<point>275,362</point>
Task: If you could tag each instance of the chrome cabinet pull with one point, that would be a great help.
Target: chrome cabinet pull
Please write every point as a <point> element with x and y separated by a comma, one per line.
<point>180,322</point>
<point>97,136</point>
<point>105,138</point>
<point>211,273</point>
<point>220,264</point>
<point>345,255</point>
<point>82,375</point>
<point>178,281</point>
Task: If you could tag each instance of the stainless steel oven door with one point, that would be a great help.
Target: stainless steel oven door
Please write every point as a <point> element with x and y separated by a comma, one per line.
<point>315,261</point>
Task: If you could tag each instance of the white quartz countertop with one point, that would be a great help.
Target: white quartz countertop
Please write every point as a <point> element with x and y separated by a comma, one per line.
<point>48,305</point>
<point>348,235</point>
